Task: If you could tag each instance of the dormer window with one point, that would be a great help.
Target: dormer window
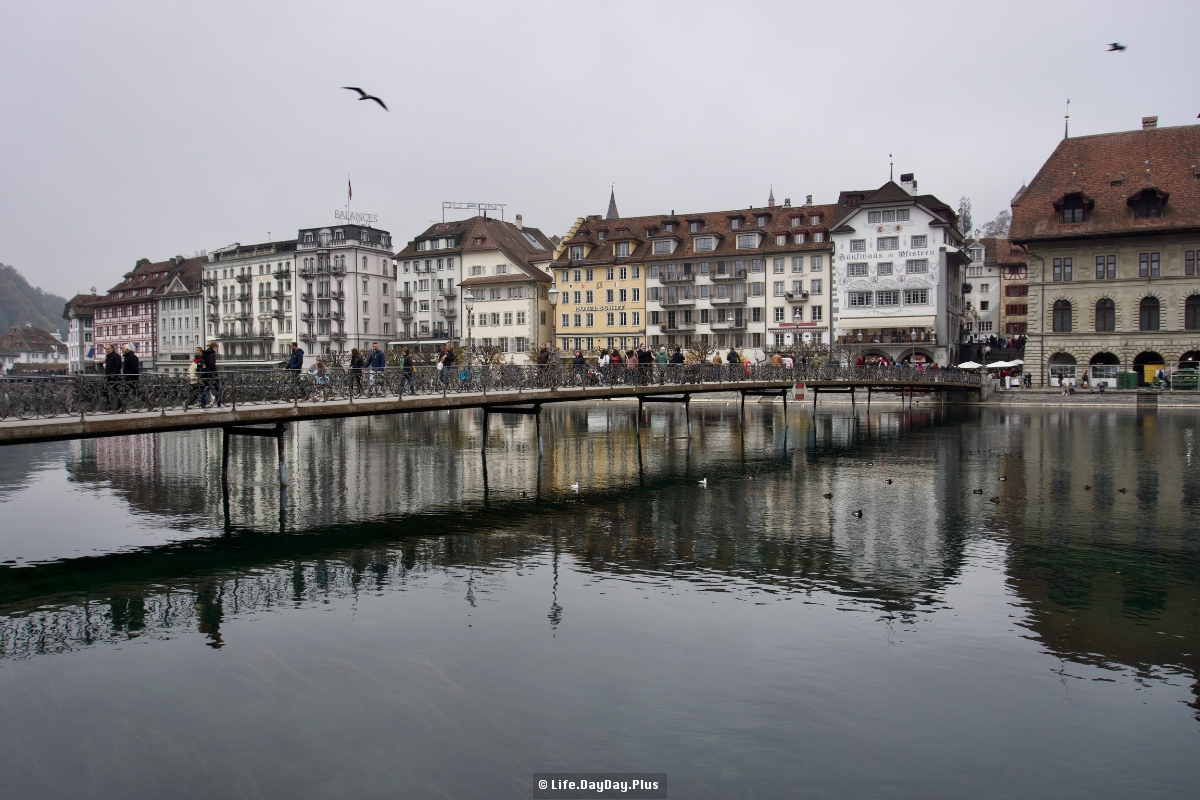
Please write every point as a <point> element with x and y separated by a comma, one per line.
<point>796,221</point>
<point>621,249</point>
<point>762,220</point>
<point>308,238</point>
<point>649,232</point>
<point>693,226</point>
<point>601,234</point>
<point>703,244</point>
<point>976,253</point>
<point>815,219</point>
<point>339,236</point>
<point>818,236</point>
<point>576,252</point>
<point>478,241</point>
<point>735,223</point>
<point>1073,207</point>
<point>1148,204</point>
<point>852,200</point>
<point>799,237</point>
<point>664,247</point>
<point>781,238</point>
<point>669,227</point>
<point>747,240</point>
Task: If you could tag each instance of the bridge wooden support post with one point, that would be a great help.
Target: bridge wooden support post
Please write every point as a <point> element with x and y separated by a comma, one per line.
<point>535,410</point>
<point>869,401</point>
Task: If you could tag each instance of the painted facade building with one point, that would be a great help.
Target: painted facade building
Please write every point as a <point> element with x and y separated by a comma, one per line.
<point>983,290</point>
<point>898,272</point>
<point>1111,224</point>
<point>128,312</point>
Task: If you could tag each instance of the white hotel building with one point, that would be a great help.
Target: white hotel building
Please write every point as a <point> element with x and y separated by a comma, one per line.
<point>898,275</point>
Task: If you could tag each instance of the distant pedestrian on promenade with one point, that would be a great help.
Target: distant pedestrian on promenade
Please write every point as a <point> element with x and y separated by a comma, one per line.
<point>112,379</point>
<point>661,359</point>
<point>195,390</point>
<point>357,363</point>
<point>295,360</point>
<point>407,369</point>
<point>131,375</point>
<point>376,363</point>
<point>445,362</point>
<point>208,373</point>
<point>734,361</point>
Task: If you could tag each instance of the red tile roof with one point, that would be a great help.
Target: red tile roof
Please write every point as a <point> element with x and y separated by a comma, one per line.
<point>714,223</point>
<point>18,339</point>
<point>486,233</point>
<point>147,280</point>
<point>1109,169</point>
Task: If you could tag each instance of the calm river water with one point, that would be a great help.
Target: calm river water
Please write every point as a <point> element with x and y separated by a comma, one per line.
<point>401,628</point>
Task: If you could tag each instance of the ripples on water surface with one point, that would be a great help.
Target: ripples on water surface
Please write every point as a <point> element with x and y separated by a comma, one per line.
<point>398,629</point>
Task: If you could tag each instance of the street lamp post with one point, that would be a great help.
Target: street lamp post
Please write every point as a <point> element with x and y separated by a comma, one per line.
<point>552,295</point>
<point>469,305</point>
<point>913,338</point>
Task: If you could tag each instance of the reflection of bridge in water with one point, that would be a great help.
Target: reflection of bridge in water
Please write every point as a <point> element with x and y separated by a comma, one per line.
<point>418,493</point>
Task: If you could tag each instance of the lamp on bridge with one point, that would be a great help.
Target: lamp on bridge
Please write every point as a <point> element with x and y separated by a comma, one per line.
<point>552,296</point>
<point>469,305</point>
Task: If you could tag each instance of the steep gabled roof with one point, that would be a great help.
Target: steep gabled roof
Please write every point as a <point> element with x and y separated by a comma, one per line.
<point>524,247</point>
<point>1108,169</point>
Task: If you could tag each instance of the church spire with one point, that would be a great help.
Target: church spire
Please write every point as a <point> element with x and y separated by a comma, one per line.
<point>771,198</point>
<point>612,205</point>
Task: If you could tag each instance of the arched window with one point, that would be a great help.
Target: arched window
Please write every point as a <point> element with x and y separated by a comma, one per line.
<point>1062,316</point>
<point>1191,313</point>
<point>1106,316</point>
<point>1148,314</point>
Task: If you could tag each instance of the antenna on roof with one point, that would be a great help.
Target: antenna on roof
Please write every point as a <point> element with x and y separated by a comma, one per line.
<point>891,164</point>
<point>1067,121</point>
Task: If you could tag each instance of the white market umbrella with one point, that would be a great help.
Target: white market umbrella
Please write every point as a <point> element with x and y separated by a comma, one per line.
<point>969,365</point>
<point>999,365</point>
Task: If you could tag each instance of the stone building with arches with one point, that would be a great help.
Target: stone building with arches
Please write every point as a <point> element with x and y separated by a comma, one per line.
<point>1111,224</point>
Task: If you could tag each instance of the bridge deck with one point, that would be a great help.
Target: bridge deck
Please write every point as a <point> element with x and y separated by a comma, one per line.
<point>14,431</point>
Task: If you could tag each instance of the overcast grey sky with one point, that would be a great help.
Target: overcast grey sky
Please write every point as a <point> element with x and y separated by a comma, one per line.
<point>149,129</point>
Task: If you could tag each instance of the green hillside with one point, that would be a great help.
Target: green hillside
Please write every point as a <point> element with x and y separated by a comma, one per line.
<point>21,303</point>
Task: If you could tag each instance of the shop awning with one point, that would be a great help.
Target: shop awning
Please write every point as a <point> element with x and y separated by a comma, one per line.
<point>878,323</point>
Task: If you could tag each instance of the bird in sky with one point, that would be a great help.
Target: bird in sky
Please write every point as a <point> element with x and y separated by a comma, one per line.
<point>364,96</point>
<point>1115,47</point>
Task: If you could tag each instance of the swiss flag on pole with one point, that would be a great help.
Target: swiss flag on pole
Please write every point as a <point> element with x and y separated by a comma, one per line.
<point>349,190</point>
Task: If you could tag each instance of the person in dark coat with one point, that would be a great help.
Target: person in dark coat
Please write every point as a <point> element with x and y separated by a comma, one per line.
<point>407,371</point>
<point>131,374</point>
<point>376,363</point>
<point>357,362</point>
<point>112,378</point>
<point>296,359</point>
<point>208,369</point>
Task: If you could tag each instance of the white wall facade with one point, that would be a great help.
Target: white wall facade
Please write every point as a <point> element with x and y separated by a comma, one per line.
<point>896,271</point>
<point>981,305</point>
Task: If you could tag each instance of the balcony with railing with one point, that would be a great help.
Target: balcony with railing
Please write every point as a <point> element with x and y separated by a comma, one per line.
<point>339,316</point>
<point>731,300</point>
<point>338,336</point>
<point>277,294</point>
<point>306,272</point>
<point>677,302</point>
<point>677,277</point>
<point>726,324</point>
<point>281,273</point>
<point>244,297</point>
<point>214,317</point>
<point>405,313</point>
<point>678,327</point>
<point>337,269</point>
<point>449,291</point>
<point>448,313</point>
<point>323,314</point>
<point>306,297</point>
<point>278,314</point>
<point>795,297</point>
<point>208,281</point>
<point>338,295</point>
<point>732,275</point>
<point>404,294</point>
<point>244,278</point>
<point>243,316</point>
<point>306,316</point>
<point>213,301</point>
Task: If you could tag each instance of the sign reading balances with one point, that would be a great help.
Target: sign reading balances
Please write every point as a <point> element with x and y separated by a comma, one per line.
<point>354,217</point>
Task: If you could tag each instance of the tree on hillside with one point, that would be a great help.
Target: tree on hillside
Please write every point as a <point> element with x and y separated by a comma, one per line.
<point>998,228</point>
<point>964,215</point>
<point>21,303</point>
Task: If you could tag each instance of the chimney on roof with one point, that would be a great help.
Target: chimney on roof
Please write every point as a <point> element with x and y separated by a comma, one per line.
<point>808,199</point>
<point>1149,123</point>
<point>520,222</point>
<point>787,202</point>
<point>93,290</point>
<point>909,178</point>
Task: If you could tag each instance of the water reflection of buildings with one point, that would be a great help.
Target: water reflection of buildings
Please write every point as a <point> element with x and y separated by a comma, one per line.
<point>381,500</point>
<point>1109,578</point>
<point>1106,578</point>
